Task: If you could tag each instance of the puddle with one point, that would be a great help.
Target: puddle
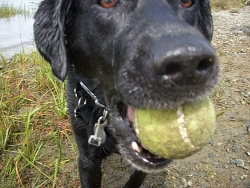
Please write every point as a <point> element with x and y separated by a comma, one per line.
<point>16,33</point>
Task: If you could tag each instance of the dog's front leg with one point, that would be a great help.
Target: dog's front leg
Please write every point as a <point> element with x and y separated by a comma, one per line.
<point>136,179</point>
<point>89,164</point>
<point>90,175</point>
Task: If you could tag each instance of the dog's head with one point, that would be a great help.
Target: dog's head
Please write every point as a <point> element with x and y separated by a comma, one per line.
<point>142,53</point>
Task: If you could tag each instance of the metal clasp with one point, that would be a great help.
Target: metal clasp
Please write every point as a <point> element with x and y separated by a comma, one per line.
<point>99,136</point>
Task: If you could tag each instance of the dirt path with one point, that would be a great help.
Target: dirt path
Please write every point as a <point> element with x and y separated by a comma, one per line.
<point>225,162</point>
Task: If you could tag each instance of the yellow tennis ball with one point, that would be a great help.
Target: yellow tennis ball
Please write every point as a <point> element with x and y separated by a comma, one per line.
<point>176,133</point>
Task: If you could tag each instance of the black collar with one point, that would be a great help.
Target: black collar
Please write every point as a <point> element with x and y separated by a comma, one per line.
<point>82,92</point>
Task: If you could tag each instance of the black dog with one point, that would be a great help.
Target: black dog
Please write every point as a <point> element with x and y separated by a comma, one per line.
<point>120,55</point>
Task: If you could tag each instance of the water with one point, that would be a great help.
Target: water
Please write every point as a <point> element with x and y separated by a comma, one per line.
<point>16,33</point>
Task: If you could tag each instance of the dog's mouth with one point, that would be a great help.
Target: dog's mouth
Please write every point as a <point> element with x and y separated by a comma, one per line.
<point>130,146</point>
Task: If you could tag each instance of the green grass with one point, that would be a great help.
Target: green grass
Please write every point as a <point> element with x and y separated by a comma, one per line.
<point>7,11</point>
<point>35,136</point>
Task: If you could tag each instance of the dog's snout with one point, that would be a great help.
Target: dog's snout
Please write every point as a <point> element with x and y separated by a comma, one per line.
<point>184,63</point>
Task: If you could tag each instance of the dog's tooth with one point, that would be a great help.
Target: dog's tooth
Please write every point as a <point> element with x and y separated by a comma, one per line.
<point>136,147</point>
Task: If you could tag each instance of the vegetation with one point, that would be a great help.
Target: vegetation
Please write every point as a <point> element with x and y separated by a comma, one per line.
<point>7,11</point>
<point>226,4</point>
<point>35,131</point>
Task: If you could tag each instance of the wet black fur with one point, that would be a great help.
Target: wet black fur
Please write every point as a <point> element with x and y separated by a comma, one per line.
<point>121,55</point>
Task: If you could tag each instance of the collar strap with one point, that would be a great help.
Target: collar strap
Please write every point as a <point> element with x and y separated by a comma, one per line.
<point>92,95</point>
<point>99,136</point>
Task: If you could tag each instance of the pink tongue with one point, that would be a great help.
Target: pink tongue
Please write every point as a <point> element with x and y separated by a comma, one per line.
<point>130,114</point>
<point>131,118</point>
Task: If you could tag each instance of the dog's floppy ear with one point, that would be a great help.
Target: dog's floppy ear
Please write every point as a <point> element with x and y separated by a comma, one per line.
<point>205,19</point>
<point>49,34</point>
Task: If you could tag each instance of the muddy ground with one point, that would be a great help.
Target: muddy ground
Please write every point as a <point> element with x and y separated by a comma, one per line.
<point>225,162</point>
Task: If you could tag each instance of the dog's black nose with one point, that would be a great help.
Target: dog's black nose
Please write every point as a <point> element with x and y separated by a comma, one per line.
<point>185,60</point>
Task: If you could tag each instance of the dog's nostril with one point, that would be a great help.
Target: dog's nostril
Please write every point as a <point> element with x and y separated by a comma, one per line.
<point>204,65</point>
<point>193,71</point>
<point>173,71</point>
<point>189,63</point>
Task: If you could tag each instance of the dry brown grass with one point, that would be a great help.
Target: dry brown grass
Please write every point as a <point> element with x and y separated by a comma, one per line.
<point>226,4</point>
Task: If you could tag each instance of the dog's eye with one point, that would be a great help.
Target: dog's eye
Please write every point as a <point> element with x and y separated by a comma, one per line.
<point>186,3</point>
<point>108,3</point>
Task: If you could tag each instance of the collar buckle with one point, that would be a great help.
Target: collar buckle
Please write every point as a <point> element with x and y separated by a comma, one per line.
<point>99,136</point>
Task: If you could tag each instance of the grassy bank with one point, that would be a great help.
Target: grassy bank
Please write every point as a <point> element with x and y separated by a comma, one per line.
<point>7,11</point>
<point>226,4</point>
<point>35,137</point>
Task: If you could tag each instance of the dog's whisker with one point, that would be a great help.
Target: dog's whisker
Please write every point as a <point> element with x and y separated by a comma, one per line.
<point>113,66</point>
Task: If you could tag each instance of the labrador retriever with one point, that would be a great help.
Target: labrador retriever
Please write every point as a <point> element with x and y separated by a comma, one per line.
<point>119,55</point>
